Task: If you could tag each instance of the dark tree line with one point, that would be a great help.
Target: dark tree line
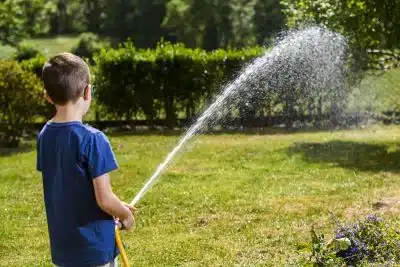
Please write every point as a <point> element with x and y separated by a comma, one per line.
<point>209,24</point>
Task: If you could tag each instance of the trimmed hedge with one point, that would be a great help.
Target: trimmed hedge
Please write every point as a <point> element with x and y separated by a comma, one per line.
<point>166,82</point>
<point>174,82</point>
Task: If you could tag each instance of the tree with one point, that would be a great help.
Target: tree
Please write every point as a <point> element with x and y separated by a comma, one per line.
<point>269,19</point>
<point>67,18</point>
<point>12,22</point>
<point>242,20</point>
<point>211,24</point>
<point>95,12</point>
<point>139,20</point>
<point>148,18</point>
<point>176,12</point>
<point>367,23</point>
<point>37,15</point>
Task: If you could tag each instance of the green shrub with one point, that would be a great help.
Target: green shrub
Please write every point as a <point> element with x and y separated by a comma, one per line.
<point>366,243</point>
<point>20,95</point>
<point>26,51</point>
<point>35,65</point>
<point>89,44</point>
<point>163,82</point>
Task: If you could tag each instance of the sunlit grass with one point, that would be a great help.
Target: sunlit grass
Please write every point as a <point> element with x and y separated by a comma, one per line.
<point>49,46</point>
<point>244,200</point>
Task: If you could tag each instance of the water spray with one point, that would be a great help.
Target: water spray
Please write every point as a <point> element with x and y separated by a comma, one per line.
<point>311,59</point>
<point>314,56</point>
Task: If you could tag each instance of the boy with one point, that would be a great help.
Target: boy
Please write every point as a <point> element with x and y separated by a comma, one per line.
<point>75,161</point>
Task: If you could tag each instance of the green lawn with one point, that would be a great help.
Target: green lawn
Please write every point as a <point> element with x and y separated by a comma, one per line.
<point>231,200</point>
<point>6,51</point>
<point>377,93</point>
<point>50,46</point>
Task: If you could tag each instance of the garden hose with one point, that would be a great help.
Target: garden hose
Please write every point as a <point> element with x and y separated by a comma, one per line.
<point>125,262</point>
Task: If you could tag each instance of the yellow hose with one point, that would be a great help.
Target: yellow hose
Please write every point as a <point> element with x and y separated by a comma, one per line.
<point>125,262</point>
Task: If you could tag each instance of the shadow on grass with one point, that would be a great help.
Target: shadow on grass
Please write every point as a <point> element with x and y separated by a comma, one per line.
<point>23,148</point>
<point>352,155</point>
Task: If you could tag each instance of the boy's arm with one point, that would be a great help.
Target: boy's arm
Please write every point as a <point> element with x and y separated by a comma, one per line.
<point>110,203</point>
<point>101,161</point>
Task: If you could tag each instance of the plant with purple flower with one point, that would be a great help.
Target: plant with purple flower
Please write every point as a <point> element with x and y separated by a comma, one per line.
<point>364,243</point>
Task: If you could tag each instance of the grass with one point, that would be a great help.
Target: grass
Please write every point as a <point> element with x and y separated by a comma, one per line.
<point>50,46</point>
<point>6,51</point>
<point>377,93</point>
<point>231,200</point>
<point>55,45</point>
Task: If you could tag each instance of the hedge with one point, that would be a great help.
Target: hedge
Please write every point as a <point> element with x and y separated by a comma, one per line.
<point>174,82</point>
<point>165,82</point>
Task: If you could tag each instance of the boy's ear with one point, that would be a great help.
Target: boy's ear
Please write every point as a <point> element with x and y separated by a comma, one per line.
<point>48,99</point>
<point>88,92</point>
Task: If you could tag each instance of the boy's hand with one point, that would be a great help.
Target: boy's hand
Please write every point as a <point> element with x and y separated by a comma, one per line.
<point>126,224</point>
<point>129,221</point>
<point>130,207</point>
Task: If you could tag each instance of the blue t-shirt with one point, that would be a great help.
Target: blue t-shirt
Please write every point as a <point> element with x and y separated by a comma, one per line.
<point>70,155</point>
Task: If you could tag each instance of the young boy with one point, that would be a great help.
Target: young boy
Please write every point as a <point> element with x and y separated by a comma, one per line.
<point>75,161</point>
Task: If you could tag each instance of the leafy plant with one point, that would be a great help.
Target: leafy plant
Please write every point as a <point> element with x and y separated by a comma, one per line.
<point>35,65</point>
<point>89,44</point>
<point>367,242</point>
<point>26,51</point>
<point>20,94</point>
<point>165,81</point>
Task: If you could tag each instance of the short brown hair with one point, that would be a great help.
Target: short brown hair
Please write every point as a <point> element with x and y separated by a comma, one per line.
<point>65,78</point>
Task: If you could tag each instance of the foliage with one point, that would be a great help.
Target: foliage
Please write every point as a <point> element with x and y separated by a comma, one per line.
<point>173,82</point>
<point>269,20</point>
<point>139,20</point>
<point>366,242</point>
<point>130,80</point>
<point>22,18</point>
<point>89,44</point>
<point>212,24</point>
<point>12,22</point>
<point>20,94</point>
<point>368,24</point>
<point>35,65</point>
<point>37,15</point>
<point>383,59</point>
<point>377,93</point>
<point>94,13</point>
<point>68,17</point>
<point>208,24</point>
<point>27,51</point>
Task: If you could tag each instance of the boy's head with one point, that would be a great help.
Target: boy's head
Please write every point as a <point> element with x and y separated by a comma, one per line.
<point>66,80</point>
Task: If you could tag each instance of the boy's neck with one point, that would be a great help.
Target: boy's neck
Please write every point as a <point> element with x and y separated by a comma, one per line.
<point>67,113</point>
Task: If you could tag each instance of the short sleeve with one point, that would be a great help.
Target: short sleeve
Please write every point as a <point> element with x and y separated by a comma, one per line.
<point>99,155</point>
